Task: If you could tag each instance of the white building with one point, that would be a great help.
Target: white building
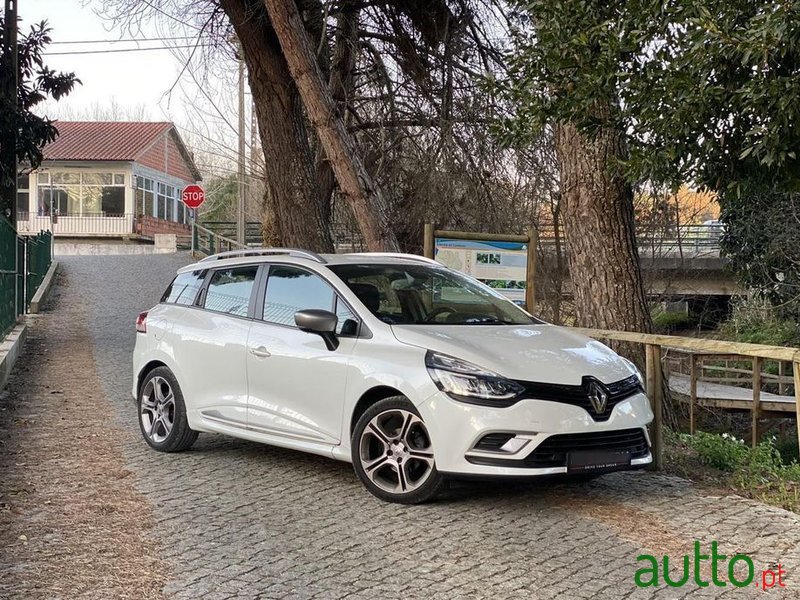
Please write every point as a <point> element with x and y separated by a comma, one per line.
<point>108,179</point>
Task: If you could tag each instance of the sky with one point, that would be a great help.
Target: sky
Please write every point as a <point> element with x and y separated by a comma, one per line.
<point>133,80</point>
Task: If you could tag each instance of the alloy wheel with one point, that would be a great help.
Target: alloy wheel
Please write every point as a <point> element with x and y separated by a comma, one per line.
<point>157,409</point>
<point>396,452</point>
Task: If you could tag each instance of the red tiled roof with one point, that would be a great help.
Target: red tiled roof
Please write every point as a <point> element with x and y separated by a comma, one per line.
<point>113,140</point>
<point>103,140</point>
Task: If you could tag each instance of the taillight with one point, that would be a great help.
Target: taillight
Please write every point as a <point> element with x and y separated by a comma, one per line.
<point>141,322</point>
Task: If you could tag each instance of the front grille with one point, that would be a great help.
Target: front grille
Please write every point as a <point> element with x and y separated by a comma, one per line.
<point>578,395</point>
<point>553,451</point>
<point>492,442</point>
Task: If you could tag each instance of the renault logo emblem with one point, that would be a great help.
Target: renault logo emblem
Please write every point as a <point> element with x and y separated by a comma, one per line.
<point>598,397</point>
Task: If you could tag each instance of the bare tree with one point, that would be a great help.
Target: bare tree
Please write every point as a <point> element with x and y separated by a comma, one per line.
<point>404,80</point>
<point>366,201</point>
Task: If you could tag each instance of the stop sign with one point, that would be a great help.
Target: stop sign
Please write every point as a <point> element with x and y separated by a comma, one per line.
<point>193,196</point>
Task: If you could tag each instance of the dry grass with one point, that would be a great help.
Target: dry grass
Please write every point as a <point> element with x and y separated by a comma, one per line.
<point>71,523</point>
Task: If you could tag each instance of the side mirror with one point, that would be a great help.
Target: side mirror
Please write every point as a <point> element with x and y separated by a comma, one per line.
<point>321,322</point>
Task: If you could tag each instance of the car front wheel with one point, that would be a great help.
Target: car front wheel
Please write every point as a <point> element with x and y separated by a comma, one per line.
<point>162,413</point>
<point>393,453</point>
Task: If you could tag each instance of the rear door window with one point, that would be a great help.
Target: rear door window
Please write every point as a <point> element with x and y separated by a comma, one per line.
<point>184,288</point>
<point>229,290</point>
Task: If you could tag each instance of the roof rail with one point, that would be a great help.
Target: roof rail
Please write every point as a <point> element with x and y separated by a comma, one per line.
<point>415,257</point>
<point>265,252</point>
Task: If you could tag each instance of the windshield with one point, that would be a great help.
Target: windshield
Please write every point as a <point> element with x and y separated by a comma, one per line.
<point>422,294</point>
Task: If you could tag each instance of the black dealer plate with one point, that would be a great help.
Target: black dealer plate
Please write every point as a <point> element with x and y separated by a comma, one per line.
<point>588,461</point>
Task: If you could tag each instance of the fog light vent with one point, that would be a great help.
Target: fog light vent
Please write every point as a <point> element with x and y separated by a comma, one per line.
<point>493,442</point>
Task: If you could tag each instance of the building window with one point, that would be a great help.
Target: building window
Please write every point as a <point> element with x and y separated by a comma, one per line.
<point>76,193</point>
<point>182,212</point>
<point>155,198</point>
<point>170,203</point>
<point>145,197</point>
<point>162,201</point>
<point>23,196</point>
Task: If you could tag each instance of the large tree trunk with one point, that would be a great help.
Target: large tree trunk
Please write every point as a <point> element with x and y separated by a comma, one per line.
<point>293,208</point>
<point>341,83</point>
<point>597,212</point>
<point>368,205</point>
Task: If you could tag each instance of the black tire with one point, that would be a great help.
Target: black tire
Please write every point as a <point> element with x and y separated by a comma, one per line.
<point>179,436</point>
<point>414,435</point>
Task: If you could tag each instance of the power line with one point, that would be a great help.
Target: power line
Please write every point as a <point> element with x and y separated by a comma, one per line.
<point>170,16</point>
<point>130,40</point>
<point>114,50</point>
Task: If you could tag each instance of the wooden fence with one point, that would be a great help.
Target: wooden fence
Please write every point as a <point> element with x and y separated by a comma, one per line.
<point>701,349</point>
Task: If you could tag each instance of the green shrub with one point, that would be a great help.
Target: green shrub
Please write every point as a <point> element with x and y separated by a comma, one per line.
<point>760,473</point>
<point>723,452</point>
<point>791,472</point>
<point>751,465</point>
<point>668,322</point>
<point>753,320</point>
<point>787,446</point>
<point>777,333</point>
<point>762,464</point>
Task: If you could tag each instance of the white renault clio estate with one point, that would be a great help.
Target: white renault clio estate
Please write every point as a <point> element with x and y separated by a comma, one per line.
<point>409,370</point>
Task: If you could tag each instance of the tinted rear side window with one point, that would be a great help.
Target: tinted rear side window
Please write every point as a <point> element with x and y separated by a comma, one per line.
<point>184,288</point>
<point>229,290</point>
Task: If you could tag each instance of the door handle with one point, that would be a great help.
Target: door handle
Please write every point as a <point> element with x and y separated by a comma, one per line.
<point>260,352</point>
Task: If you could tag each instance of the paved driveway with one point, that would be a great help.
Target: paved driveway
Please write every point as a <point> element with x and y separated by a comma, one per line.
<point>233,519</point>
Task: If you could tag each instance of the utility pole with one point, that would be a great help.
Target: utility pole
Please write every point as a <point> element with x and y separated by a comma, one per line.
<point>253,142</point>
<point>241,235</point>
<point>8,90</point>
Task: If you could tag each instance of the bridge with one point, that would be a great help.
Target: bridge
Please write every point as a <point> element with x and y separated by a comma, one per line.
<point>675,261</point>
<point>89,510</point>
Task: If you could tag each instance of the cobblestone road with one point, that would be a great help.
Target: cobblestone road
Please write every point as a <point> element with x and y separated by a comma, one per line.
<point>233,519</point>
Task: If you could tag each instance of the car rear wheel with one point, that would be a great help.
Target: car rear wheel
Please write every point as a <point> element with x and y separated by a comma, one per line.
<point>393,453</point>
<point>162,413</point>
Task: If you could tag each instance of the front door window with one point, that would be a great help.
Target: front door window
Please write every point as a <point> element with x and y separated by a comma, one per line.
<point>290,289</point>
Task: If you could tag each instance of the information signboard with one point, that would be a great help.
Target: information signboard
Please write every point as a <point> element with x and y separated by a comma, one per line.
<point>500,265</point>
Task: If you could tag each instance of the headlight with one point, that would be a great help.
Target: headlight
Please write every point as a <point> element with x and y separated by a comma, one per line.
<point>636,370</point>
<point>470,383</point>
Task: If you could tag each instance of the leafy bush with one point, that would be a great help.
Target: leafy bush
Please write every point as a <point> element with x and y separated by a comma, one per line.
<point>723,452</point>
<point>762,464</point>
<point>727,453</point>
<point>753,320</point>
<point>777,333</point>
<point>761,473</point>
<point>787,446</point>
<point>668,322</point>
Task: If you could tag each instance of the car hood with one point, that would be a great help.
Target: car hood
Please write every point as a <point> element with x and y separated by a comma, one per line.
<point>544,353</point>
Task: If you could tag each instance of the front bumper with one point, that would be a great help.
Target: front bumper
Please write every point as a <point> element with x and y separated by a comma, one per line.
<point>456,427</point>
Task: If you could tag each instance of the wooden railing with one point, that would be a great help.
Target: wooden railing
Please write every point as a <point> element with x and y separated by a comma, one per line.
<point>654,376</point>
<point>205,242</point>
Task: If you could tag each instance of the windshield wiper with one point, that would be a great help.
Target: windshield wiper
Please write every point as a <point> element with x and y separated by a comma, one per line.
<point>486,321</point>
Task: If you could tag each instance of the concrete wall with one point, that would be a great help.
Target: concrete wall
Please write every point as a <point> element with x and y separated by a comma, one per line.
<point>10,349</point>
<point>165,244</point>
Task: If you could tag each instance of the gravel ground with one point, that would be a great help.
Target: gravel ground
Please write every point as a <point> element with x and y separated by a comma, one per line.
<point>233,519</point>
